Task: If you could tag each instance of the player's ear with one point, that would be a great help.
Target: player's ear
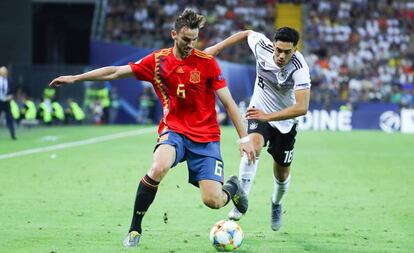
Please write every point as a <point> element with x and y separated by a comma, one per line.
<point>274,45</point>
<point>173,34</point>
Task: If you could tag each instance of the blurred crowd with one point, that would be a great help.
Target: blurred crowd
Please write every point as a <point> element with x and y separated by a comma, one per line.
<point>361,50</point>
<point>148,23</point>
<point>47,110</point>
<point>358,50</point>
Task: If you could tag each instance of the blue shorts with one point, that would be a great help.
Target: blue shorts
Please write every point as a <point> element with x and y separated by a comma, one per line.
<point>204,160</point>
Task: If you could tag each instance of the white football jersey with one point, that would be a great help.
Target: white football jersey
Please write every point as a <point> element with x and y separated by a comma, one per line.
<point>275,87</point>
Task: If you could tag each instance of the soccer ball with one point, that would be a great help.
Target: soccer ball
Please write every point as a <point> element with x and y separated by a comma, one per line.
<point>226,235</point>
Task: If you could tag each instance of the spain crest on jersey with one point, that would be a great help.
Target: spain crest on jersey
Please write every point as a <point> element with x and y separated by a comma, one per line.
<point>195,76</point>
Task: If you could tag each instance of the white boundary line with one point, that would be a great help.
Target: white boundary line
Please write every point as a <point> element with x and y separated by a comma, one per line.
<point>77,143</point>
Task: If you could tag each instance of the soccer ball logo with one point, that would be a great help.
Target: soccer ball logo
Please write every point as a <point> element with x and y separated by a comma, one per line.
<point>226,235</point>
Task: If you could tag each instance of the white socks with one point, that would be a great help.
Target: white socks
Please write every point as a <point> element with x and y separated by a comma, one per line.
<point>247,173</point>
<point>246,177</point>
<point>280,190</point>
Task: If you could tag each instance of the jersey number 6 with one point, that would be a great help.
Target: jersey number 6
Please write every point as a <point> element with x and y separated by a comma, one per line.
<point>219,168</point>
<point>181,91</point>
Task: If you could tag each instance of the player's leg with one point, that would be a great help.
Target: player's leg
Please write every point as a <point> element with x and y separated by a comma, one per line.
<point>206,170</point>
<point>169,151</point>
<point>282,182</point>
<point>9,119</point>
<point>281,148</point>
<point>215,195</point>
<point>207,173</point>
<point>212,194</point>
<point>247,171</point>
<point>163,159</point>
<point>257,130</point>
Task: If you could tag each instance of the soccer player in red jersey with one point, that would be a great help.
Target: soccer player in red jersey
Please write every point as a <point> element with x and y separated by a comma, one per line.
<point>186,81</point>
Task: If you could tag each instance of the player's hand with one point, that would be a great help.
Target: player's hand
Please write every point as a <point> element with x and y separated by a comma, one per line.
<point>62,80</point>
<point>257,114</point>
<point>248,148</point>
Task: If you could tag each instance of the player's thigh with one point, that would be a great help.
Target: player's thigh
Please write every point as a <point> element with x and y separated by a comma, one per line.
<point>168,152</point>
<point>281,147</point>
<point>202,167</point>
<point>260,132</point>
<point>258,142</point>
<point>163,159</point>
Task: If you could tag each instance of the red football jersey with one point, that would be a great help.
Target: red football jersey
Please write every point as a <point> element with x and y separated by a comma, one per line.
<point>186,90</point>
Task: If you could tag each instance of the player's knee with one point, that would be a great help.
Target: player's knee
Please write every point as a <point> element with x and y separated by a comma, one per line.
<point>282,173</point>
<point>283,176</point>
<point>257,151</point>
<point>258,145</point>
<point>158,170</point>
<point>214,202</point>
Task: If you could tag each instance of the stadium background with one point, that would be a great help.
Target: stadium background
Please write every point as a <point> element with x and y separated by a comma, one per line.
<point>360,52</point>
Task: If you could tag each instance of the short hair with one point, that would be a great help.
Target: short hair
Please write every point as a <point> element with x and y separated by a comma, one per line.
<point>190,19</point>
<point>287,34</point>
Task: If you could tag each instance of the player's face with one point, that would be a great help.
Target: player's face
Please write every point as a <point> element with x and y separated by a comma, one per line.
<point>185,40</point>
<point>283,52</point>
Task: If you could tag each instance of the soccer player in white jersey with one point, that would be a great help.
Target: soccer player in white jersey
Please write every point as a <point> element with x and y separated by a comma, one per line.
<point>281,93</point>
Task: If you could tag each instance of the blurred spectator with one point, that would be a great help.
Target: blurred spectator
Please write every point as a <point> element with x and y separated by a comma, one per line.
<point>49,93</point>
<point>28,112</point>
<point>115,104</point>
<point>44,113</point>
<point>146,103</point>
<point>15,110</point>
<point>73,112</point>
<point>221,115</point>
<point>58,114</point>
<point>97,112</point>
<point>104,97</point>
<point>97,102</point>
<point>5,97</point>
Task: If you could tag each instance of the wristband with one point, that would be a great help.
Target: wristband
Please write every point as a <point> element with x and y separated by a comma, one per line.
<point>245,139</point>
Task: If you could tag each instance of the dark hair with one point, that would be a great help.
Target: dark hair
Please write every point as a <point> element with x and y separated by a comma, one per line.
<point>190,19</point>
<point>287,34</point>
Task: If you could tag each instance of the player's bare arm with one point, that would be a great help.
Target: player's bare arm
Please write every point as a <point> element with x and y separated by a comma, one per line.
<point>233,39</point>
<point>234,114</point>
<point>101,74</point>
<point>298,109</point>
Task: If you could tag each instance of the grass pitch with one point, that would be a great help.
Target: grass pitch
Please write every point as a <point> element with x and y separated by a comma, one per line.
<point>350,192</point>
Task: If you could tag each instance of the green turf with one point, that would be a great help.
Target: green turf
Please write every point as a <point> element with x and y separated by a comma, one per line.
<point>350,192</point>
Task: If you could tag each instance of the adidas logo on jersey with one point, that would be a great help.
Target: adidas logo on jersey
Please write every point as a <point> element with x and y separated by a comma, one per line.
<point>179,70</point>
<point>253,125</point>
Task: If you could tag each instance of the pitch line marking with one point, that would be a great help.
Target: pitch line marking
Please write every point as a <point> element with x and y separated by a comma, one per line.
<point>77,143</point>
